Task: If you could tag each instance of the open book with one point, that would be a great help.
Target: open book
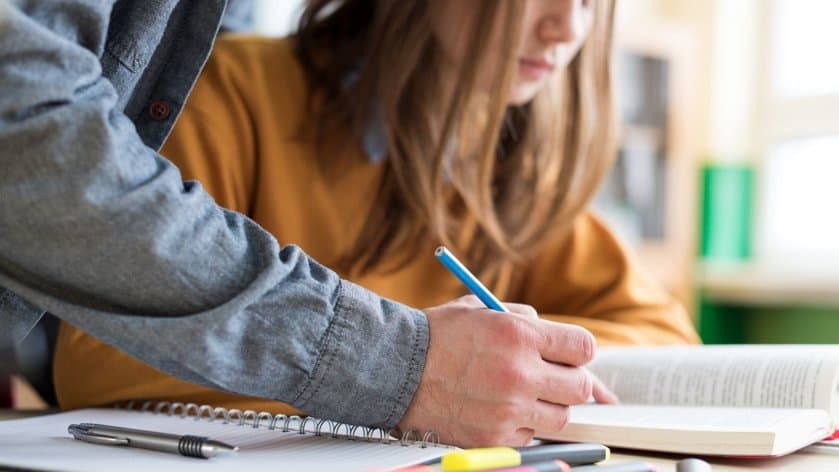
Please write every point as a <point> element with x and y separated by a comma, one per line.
<point>714,400</point>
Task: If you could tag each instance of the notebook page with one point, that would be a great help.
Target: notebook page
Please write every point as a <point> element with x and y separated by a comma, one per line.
<point>43,442</point>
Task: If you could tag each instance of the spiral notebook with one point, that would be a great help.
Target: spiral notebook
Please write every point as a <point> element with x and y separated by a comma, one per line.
<point>266,442</point>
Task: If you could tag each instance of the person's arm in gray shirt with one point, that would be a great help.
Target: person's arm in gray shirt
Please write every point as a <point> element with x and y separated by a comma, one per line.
<point>101,231</point>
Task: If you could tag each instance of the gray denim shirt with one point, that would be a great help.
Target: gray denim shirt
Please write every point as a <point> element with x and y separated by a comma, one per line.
<point>99,229</point>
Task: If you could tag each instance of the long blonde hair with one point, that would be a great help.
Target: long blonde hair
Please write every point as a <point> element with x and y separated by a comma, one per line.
<point>518,175</point>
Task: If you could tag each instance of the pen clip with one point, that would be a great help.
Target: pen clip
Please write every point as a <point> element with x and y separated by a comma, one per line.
<point>83,433</point>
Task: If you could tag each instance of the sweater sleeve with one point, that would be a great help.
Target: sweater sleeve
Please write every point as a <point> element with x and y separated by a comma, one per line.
<point>590,280</point>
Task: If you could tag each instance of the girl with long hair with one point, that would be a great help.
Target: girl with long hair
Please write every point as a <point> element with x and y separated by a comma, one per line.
<point>384,128</point>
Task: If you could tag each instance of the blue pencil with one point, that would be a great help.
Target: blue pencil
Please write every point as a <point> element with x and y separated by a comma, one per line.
<point>472,283</point>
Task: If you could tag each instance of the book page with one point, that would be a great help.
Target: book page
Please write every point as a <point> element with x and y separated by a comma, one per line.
<point>696,430</point>
<point>737,376</point>
<point>713,419</point>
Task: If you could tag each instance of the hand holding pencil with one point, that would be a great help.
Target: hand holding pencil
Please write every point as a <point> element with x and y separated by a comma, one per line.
<point>493,379</point>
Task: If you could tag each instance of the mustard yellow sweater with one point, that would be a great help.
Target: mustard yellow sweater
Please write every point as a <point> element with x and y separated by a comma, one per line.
<point>239,136</point>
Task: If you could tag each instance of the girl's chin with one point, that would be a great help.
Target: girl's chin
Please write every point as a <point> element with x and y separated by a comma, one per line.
<point>522,93</point>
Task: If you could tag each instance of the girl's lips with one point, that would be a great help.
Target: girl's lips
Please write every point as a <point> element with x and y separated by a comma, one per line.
<point>534,69</point>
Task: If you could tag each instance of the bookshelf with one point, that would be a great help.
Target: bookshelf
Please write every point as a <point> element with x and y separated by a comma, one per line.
<point>649,197</point>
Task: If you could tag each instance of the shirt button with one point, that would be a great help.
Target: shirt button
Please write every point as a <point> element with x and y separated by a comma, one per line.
<point>159,110</point>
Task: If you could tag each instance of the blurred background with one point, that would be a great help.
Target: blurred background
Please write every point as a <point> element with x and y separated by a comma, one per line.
<point>728,172</point>
<point>730,151</point>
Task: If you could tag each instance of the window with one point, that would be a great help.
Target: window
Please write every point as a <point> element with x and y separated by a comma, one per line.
<point>804,39</point>
<point>802,220</point>
<point>797,126</point>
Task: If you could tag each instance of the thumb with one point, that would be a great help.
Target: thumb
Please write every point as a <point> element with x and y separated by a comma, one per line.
<point>521,309</point>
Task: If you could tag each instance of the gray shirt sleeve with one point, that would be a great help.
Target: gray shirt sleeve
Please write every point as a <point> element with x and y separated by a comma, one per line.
<point>100,230</point>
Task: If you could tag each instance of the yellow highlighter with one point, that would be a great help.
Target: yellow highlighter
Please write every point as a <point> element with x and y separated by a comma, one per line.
<point>484,458</point>
<point>472,460</point>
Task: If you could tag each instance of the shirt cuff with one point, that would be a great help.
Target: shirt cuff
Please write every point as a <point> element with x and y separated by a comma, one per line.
<point>370,361</point>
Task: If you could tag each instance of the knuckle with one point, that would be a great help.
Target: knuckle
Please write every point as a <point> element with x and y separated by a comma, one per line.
<point>511,332</point>
<point>553,418</point>
<point>507,413</point>
<point>583,387</point>
<point>513,376</point>
<point>530,311</point>
<point>587,346</point>
<point>524,437</point>
<point>582,341</point>
<point>494,437</point>
<point>562,417</point>
<point>523,309</point>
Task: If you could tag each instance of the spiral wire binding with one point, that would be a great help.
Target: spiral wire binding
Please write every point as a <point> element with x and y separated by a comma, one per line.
<point>285,423</point>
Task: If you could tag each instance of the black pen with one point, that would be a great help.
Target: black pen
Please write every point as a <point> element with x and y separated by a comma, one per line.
<point>191,446</point>
<point>570,453</point>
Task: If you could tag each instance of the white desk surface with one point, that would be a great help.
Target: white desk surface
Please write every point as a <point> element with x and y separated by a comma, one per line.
<point>803,461</point>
